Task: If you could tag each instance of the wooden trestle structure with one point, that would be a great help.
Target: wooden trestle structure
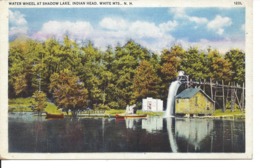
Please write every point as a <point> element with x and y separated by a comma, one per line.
<point>222,93</point>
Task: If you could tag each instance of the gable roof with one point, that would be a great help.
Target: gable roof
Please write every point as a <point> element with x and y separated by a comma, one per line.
<point>190,92</point>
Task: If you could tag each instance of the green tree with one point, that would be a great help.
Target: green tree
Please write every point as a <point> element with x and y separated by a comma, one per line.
<point>170,64</point>
<point>23,55</point>
<point>90,70</point>
<point>49,62</point>
<point>127,59</point>
<point>146,82</point>
<point>68,91</point>
<point>236,58</point>
<point>20,84</point>
<point>69,54</point>
<point>40,101</point>
<point>115,77</point>
<point>108,78</point>
<point>195,64</point>
<point>219,68</point>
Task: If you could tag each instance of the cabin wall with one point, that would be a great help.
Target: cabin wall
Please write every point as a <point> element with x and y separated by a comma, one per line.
<point>182,106</point>
<point>198,104</point>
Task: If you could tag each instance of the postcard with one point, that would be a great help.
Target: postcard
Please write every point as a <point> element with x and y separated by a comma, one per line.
<point>131,79</point>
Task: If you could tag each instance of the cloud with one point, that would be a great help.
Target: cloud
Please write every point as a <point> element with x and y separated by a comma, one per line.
<point>18,23</point>
<point>180,13</point>
<point>198,20</point>
<point>76,30</point>
<point>218,24</point>
<point>168,26</point>
<point>141,29</point>
<point>113,24</point>
<point>154,36</point>
<point>148,34</point>
<point>111,31</point>
<point>222,46</point>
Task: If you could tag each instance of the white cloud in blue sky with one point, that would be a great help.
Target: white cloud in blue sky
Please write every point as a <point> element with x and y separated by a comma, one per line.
<point>154,28</point>
<point>18,23</point>
<point>219,23</point>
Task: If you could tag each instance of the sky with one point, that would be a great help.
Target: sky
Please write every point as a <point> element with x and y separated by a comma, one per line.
<point>154,28</point>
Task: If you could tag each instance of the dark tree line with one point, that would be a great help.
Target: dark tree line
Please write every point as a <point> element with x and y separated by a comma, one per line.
<point>75,76</point>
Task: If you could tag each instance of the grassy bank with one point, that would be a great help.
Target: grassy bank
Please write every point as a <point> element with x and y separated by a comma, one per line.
<point>150,113</point>
<point>20,105</point>
<point>112,112</point>
<point>219,112</point>
<point>236,114</point>
<point>24,105</point>
<point>52,108</point>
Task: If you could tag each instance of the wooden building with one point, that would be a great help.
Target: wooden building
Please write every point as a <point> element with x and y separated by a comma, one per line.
<point>194,101</point>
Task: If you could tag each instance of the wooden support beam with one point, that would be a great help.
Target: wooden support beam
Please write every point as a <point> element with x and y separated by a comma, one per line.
<point>239,104</point>
<point>217,85</point>
<point>228,90</point>
<point>243,97</point>
<point>232,102</point>
<point>211,90</point>
<point>223,92</point>
<point>204,86</point>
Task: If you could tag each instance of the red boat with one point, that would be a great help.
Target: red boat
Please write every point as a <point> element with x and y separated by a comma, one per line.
<point>54,115</point>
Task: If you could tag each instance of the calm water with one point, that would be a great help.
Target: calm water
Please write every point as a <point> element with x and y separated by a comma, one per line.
<point>29,133</point>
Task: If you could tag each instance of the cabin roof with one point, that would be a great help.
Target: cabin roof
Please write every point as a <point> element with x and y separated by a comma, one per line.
<point>190,92</point>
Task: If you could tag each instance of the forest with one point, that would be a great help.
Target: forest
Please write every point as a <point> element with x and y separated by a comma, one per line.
<point>76,75</point>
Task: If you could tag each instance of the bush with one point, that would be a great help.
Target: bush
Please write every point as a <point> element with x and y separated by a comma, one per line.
<point>102,107</point>
<point>52,108</point>
<point>113,105</point>
<point>40,101</point>
<point>228,105</point>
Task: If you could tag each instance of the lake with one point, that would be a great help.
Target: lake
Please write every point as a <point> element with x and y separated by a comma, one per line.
<point>30,133</point>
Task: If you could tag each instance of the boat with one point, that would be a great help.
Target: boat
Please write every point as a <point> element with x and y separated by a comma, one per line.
<point>122,116</point>
<point>118,116</point>
<point>54,115</point>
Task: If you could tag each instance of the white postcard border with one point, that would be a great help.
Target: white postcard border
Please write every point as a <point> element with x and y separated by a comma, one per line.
<point>4,154</point>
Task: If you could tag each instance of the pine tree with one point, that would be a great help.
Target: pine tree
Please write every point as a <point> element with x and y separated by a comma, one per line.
<point>146,82</point>
<point>68,91</point>
<point>236,58</point>
<point>40,101</point>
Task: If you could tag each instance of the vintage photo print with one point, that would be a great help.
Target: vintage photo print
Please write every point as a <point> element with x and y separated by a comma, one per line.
<point>138,79</point>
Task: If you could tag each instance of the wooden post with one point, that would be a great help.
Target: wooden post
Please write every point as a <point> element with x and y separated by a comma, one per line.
<point>228,90</point>
<point>211,91</point>
<point>204,85</point>
<point>232,103</point>
<point>215,95</point>
<point>239,103</point>
<point>223,92</point>
<point>243,97</point>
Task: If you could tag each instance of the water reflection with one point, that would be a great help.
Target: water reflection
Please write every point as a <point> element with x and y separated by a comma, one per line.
<point>152,124</point>
<point>201,135</point>
<point>132,123</point>
<point>29,133</point>
<point>170,129</point>
<point>193,131</point>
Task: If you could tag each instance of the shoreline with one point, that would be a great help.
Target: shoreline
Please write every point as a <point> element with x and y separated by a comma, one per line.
<point>227,116</point>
